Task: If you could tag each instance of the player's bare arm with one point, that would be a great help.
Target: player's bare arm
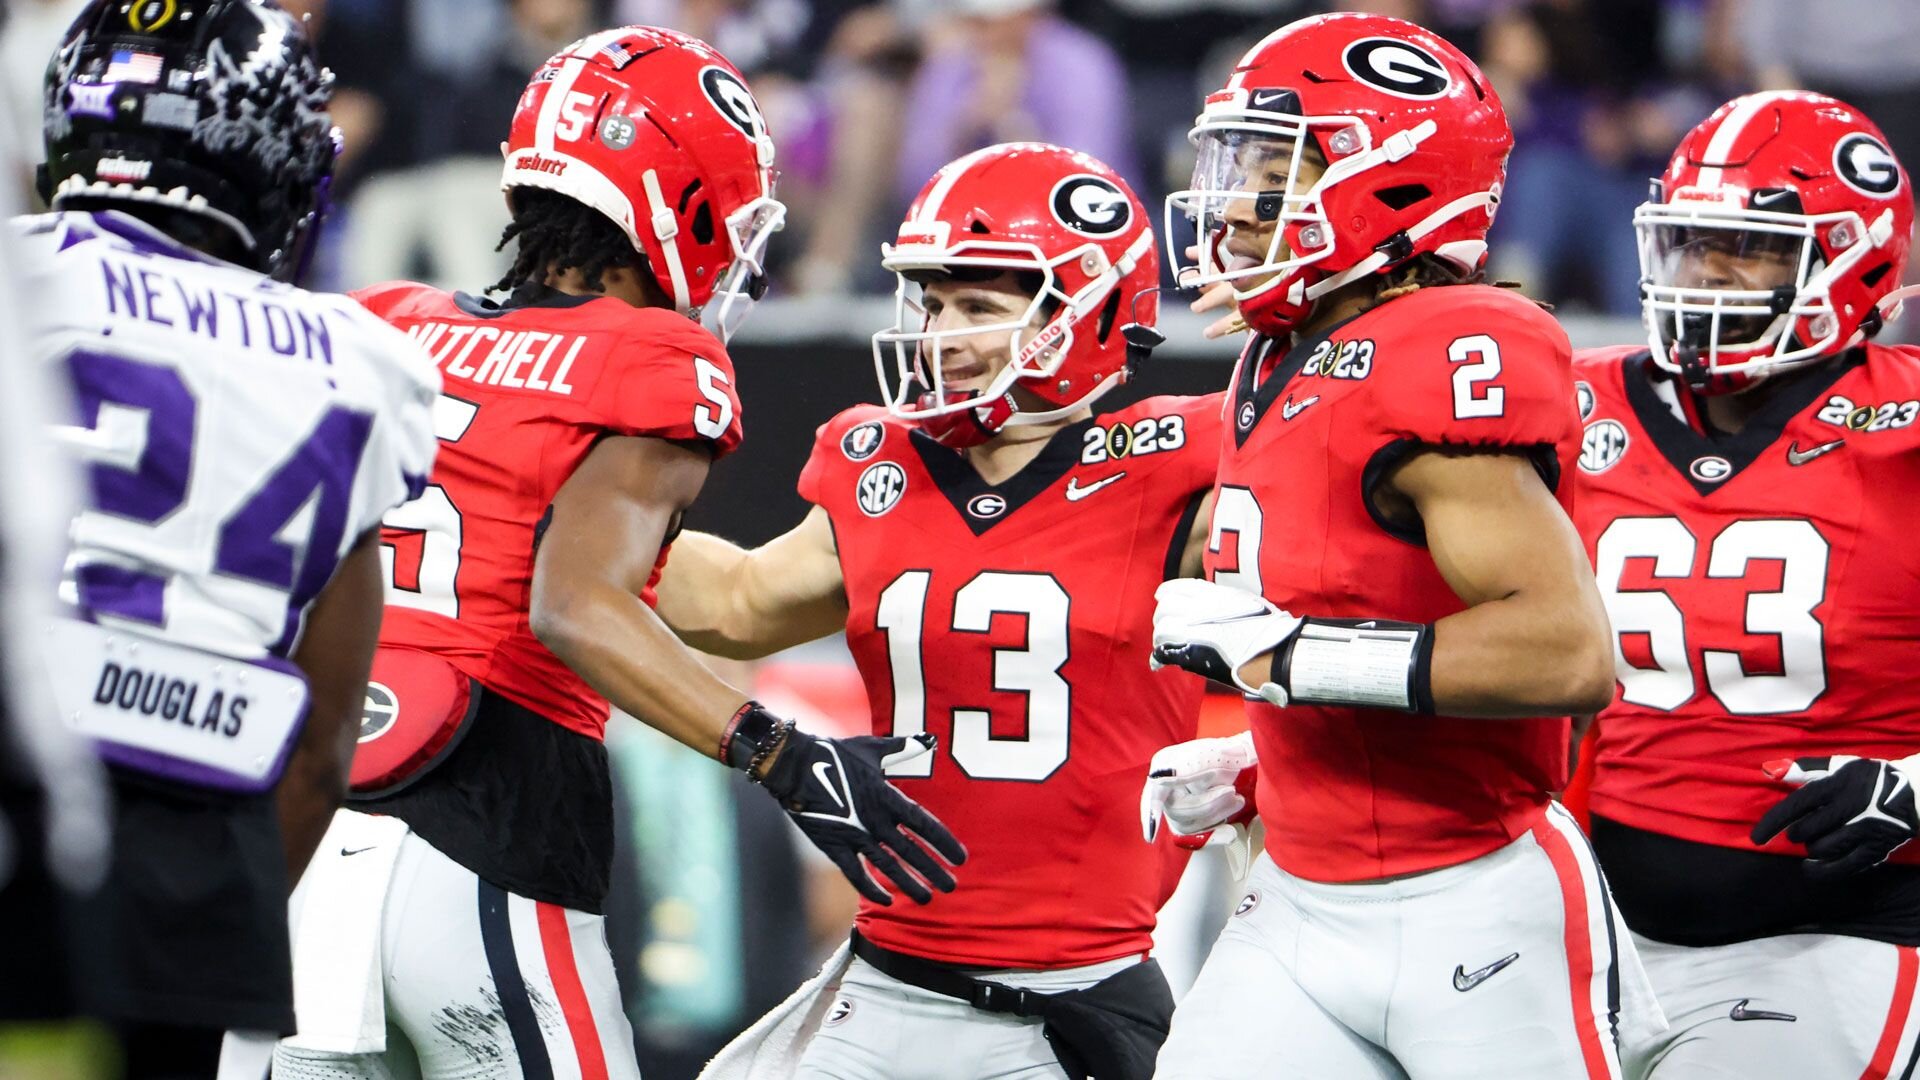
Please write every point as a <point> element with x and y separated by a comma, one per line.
<point>335,654</point>
<point>609,521</point>
<point>1534,638</point>
<point>744,604</point>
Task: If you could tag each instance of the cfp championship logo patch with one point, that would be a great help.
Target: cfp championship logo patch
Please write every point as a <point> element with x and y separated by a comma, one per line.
<point>863,440</point>
<point>378,712</point>
<point>1091,205</point>
<point>1603,445</point>
<point>880,488</point>
<point>1866,165</point>
<point>1583,398</point>
<point>1400,68</point>
<point>734,101</point>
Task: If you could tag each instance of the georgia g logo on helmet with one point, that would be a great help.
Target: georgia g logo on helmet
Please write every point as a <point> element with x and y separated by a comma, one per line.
<point>1091,205</point>
<point>734,100</point>
<point>1866,165</point>
<point>1400,68</point>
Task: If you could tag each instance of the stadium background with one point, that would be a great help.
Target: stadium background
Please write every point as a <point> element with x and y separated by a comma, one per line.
<point>719,913</point>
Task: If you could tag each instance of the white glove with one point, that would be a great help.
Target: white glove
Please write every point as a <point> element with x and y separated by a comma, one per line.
<point>1190,785</point>
<point>1212,630</point>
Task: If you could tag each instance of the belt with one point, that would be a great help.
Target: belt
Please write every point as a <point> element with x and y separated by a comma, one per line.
<point>942,979</point>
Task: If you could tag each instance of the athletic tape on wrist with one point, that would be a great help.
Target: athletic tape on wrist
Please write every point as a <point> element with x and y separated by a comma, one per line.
<point>1365,663</point>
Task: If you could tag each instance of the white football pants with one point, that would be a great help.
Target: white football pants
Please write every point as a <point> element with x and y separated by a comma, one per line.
<point>879,1028</point>
<point>1812,1005</point>
<point>475,983</point>
<point>1513,965</point>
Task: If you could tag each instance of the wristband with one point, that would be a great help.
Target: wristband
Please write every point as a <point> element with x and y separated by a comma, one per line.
<point>752,735</point>
<point>1363,663</point>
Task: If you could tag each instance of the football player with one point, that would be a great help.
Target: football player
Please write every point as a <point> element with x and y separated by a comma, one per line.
<point>580,417</point>
<point>1744,489</point>
<point>242,438</point>
<point>1394,582</point>
<point>991,546</point>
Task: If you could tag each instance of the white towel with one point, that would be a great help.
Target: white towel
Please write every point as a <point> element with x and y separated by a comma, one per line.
<point>339,997</point>
<point>772,1047</point>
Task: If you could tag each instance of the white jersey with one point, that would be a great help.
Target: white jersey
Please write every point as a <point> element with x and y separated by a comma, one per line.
<point>239,434</point>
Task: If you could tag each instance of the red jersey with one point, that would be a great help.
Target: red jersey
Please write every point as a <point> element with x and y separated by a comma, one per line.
<point>529,388</point>
<point>1764,587</point>
<point>1354,794</point>
<point>1014,622</point>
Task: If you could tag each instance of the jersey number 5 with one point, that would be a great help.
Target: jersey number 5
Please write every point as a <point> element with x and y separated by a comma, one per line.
<point>426,580</point>
<point>1033,671</point>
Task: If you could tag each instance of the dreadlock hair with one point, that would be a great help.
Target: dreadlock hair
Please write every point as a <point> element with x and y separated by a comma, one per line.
<point>1426,271</point>
<point>558,233</point>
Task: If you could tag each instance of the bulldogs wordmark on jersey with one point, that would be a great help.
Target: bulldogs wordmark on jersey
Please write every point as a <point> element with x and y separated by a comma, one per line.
<point>1012,621</point>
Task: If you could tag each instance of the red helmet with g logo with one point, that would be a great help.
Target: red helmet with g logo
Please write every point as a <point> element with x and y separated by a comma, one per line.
<point>1029,207</point>
<point>1415,144</point>
<point>659,132</point>
<point>1771,242</point>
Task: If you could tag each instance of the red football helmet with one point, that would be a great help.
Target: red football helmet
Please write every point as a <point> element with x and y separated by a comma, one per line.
<point>1779,228</point>
<point>659,132</point>
<point>1024,207</point>
<point>1415,144</point>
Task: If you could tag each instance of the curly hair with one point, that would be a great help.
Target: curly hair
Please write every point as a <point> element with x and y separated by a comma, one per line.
<point>557,233</point>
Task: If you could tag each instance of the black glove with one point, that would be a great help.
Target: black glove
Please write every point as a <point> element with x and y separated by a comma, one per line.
<point>835,791</point>
<point>1850,812</point>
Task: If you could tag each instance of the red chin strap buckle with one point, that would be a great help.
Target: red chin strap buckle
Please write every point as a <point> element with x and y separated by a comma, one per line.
<point>966,427</point>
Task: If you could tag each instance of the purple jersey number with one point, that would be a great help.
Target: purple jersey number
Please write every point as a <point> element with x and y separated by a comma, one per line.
<point>320,470</point>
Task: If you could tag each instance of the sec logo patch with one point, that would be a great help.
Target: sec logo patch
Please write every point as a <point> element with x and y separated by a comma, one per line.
<point>880,488</point>
<point>1602,447</point>
<point>863,440</point>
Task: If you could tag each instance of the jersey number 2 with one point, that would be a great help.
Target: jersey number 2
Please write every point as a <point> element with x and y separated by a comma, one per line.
<point>1033,671</point>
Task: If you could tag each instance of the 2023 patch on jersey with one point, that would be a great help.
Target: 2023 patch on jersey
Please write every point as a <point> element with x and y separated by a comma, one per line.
<point>1764,588</point>
<point>1352,794</point>
<point>239,434</point>
<point>1013,622</point>
<point>531,386</point>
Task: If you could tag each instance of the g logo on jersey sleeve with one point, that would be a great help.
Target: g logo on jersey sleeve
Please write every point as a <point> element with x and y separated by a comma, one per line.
<point>880,488</point>
<point>1866,165</point>
<point>1091,205</point>
<point>1400,68</point>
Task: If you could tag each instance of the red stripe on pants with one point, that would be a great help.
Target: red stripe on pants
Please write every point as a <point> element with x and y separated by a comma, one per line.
<point>1573,894</point>
<point>556,941</point>
<point>1882,1062</point>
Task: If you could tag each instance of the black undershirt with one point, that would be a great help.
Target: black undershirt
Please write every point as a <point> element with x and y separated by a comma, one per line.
<point>1686,893</point>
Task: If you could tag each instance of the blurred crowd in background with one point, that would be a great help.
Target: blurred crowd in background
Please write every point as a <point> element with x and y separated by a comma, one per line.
<point>868,97</point>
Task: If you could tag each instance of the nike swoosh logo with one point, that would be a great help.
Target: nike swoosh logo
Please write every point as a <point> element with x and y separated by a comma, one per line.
<point>1797,456</point>
<point>1741,1012</point>
<point>1289,410</point>
<point>1463,982</point>
<point>1762,198</point>
<point>358,850</point>
<point>1263,98</point>
<point>822,771</point>
<point>1075,492</point>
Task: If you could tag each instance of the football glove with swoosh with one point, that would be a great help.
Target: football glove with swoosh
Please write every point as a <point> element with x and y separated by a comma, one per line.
<point>837,792</point>
<point>1850,812</point>
<point>1212,630</point>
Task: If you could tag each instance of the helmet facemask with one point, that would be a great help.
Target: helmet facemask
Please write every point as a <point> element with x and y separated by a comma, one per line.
<point>1732,295</point>
<point>914,384</point>
<point>745,282</point>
